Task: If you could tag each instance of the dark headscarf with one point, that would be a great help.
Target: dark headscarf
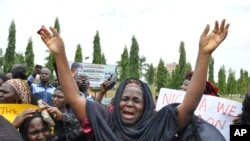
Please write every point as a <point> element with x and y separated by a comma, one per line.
<point>159,126</point>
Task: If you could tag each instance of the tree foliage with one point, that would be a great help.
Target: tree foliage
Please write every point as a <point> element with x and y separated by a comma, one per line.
<point>161,76</point>
<point>29,57</point>
<point>150,74</point>
<point>143,67</point>
<point>178,75</point>
<point>57,25</point>
<point>242,82</point>
<point>97,54</point>
<point>103,59</point>
<point>134,59</point>
<point>231,82</point>
<point>124,64</point>
<point>222,84</point>
<point>19,58</point>
<point>78,54</point>
<point>1,59</point>
<point>9,56</point>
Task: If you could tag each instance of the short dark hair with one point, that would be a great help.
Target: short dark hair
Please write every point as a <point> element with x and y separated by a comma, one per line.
<point>3,77</point>
<point>19,71</point>
<point>24,127</point>
<point>76,65</point>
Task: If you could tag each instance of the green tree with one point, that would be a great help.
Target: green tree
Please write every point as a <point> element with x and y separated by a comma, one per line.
<point>181,69</point>
<point>231,82</point>
<point>161,76</point>
<point>29,57</point>
<point>57,25</point>
<point>143,66</point>
<point>103,59</point>
<point>150,75</point>
<point>211,70</point>
<point>9,56</point>
<point>124,64</point>
<point>19,58</point>
<point>222,84</point>
<point>1,60</point>
<point>78,54</point>
<point>188,67</point>
<point>134,59</point>
<point>97,54</point>
<point>243,82</point>
<point>50,60</point>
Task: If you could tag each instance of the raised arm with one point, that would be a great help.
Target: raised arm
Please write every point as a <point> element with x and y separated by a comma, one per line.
<point>207,44</point>
<point>103,90</point>
<point>71,92</point>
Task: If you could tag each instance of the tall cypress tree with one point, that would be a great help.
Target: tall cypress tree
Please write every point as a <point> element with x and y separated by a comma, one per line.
<point>222,84</point>
<point>181,69</point>
<point>97,54</point>
<point>19,58</point>
<point>9,56</point>
<point>144,66</point>
<point>1,59</point>
<point>161,76</point>
<point>103,59</point>
<point>182,64</point>
<point>134,59</point>
<point>150,74</point>
<point>78,54</point>
<point>231,82</point>
<point>29,57</point>
<point>188,67</point>
<point>124,64</point>
<point>211,70</point>
<point>243,82</point>
<point>57,25</point>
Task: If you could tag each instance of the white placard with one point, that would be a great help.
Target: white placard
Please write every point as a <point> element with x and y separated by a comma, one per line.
<point>215,110</point>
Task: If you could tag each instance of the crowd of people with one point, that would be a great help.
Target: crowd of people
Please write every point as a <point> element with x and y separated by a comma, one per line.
<point>131,116</point>
<point>20,89</point>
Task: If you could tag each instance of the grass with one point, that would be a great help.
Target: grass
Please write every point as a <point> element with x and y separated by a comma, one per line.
<point>234,97</point>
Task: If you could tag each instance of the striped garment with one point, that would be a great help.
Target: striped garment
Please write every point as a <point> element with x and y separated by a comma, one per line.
<point>41,92</point>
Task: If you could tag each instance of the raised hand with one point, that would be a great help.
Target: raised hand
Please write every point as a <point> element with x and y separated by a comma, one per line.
<point>53,111</point>
<point>53,41</point>
<point>18,121</point>
<point>209,42</point>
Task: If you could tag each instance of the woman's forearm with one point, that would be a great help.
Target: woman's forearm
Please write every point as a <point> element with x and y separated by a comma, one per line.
<point>197,84</point>
<point>69,86</point>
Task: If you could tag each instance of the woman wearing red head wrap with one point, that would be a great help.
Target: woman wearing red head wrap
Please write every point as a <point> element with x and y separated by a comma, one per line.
<point>210,89</point>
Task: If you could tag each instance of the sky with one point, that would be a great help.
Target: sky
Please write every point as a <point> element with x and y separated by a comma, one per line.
<point>158,26</point>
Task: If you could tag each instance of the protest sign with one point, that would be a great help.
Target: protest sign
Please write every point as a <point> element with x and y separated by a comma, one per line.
<point>215,110</point>
<point>97,73</point>
<point>10,111</point>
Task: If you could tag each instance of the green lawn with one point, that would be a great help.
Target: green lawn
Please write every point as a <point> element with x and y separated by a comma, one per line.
<point>235,98</point>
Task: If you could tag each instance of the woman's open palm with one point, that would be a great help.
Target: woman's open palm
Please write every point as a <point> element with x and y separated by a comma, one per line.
<point>209,42</point>
<point>53,41</point>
